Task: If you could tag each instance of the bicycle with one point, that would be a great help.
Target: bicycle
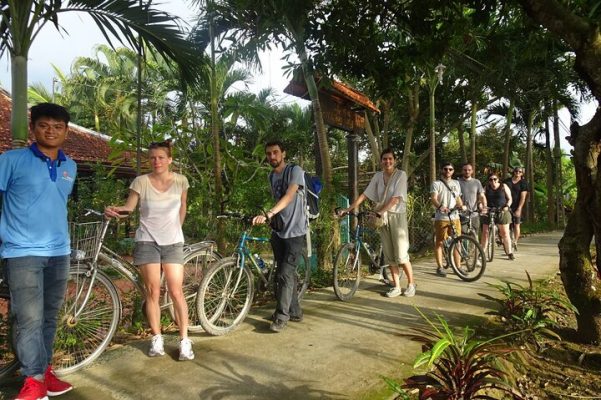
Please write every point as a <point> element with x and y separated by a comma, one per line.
<point>464,255</point>
<point>227,289</point>
<point>347,264</point>
<point>493,234</point>
<point>92,308</point>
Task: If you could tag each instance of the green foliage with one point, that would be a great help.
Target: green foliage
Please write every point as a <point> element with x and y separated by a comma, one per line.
<point>530,311</point>
<point>457,366</point>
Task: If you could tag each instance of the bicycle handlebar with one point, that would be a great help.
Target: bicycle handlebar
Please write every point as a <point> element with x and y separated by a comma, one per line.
<point>354,214</point>
<point>247,219</point>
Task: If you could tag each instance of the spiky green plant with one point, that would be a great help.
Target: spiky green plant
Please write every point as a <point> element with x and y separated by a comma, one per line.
<point>531,310</point>
<point>459,366</point>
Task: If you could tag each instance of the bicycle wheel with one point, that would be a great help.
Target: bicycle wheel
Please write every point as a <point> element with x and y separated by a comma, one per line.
<point>347,272</point>
<point>467,251</point>
<point>303,276</point>
<point>224,296</point>
<point>490,247</point>
<point>195,266</point>
<point>85,327</point>
<point>8,358</point>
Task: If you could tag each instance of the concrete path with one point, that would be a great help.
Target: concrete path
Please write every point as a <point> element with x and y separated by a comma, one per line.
<point>340,351</point>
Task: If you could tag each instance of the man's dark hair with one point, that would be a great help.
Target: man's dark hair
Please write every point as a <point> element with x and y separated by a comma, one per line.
<point>446,164</point>
<point>275,143</point>
<point>466,164</point>
<point>49,110</point>
<point>387,150</point>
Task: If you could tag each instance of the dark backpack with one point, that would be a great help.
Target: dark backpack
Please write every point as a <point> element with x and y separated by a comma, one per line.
<point>311,190</point>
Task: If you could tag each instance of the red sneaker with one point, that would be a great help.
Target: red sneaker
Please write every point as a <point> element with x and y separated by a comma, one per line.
<point>32,390</point>
<point>55,386</point>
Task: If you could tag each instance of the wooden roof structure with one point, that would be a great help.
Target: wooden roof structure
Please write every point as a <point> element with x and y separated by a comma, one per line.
<point>340,103</point>
<point>85,146</point>
<point>342,107</point>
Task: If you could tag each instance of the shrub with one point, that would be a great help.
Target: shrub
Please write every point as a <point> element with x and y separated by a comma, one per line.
<point>530,311</point>
<point>458,366</point>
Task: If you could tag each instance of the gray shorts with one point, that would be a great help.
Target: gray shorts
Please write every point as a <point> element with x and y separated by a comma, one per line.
<point>152,253</point>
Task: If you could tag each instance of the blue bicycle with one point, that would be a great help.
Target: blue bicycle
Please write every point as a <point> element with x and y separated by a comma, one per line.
<point>226,291</point>
<point>347,265</point>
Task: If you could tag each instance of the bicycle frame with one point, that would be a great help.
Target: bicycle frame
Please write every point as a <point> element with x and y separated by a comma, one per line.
<point>243,253</point>
<point>360,244</point>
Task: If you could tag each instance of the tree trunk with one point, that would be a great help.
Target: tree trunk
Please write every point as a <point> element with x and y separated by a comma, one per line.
<point>432,136</point>
<point>529,167</point>
<point>561,217</point>
<point>18,122</point>
<point>373,144</point>
<point>413,111</point>
<point>462,149</point>
<point>324,148</point>
<point>579,274</point>
<point>508,138</point>
<point>473,126</point>
<point>218,195</point>
<point>550,177</point>
<point>581,280</point>
<point>386,110</point>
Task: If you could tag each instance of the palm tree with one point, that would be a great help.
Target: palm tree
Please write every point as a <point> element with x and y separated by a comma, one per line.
<point>255,25</point>
<point>130,22</point>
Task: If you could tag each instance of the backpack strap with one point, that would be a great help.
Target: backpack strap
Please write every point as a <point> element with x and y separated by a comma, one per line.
<point>285,178</point>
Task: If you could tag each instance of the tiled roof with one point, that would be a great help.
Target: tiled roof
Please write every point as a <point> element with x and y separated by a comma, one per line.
<point>299,89</point>
<point>82,145</point>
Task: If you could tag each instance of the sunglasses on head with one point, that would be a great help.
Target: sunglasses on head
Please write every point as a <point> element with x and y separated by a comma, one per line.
<point>164,143</point>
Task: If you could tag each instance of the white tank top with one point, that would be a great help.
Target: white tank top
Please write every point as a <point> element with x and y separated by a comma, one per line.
<point>159,211</point>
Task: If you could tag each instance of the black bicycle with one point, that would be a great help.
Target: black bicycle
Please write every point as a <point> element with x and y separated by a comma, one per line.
<point>464,255</point>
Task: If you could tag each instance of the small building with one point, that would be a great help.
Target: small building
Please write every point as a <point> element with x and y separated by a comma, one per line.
<point>86,147</point>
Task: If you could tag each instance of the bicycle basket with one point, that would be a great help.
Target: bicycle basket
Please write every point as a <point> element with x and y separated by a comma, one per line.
<point>85,238</point>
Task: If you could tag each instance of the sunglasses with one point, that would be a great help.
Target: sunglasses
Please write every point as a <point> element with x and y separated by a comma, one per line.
<point>518,171</point>
<point>165,143</point>
<point>493,179</point>
<point>447,169</point>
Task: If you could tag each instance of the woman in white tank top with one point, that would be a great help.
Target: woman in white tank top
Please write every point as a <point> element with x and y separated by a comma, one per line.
<point>162,196</point>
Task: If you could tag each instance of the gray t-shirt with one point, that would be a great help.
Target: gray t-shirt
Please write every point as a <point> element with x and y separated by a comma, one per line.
<point>470,191</point>
<point>294,215</point>
<point>446,197</point>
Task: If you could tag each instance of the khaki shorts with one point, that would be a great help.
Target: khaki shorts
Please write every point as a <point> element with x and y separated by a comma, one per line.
<point>502,218</point>
<point>395,239</point>
<point>442,228</point>
<point>152,253</point>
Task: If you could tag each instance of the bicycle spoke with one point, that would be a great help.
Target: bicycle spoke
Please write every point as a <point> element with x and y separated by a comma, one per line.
<point>8,359</point>
<point>467,258</point>
<point>224,296</point>
<point>195,266</point>
<point>83,333</point>
<point>346,272</point>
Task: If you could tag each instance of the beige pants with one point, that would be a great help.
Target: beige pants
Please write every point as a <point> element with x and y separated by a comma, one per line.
<point>395,239</point>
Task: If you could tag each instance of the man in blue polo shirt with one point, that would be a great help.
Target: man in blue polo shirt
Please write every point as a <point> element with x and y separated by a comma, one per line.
<point>35,183</point>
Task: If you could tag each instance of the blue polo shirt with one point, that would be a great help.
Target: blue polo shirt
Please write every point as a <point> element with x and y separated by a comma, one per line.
<point>34,208</point>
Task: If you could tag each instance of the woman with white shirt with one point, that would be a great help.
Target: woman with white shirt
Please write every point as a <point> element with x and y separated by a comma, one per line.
<point>388,189</point>
<point>162,195</point>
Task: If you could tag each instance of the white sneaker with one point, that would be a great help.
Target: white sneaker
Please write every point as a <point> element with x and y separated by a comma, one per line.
<point>394,292</point>
<point>410,291</point>
<point>156,346</point>
<point>185,350</point>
